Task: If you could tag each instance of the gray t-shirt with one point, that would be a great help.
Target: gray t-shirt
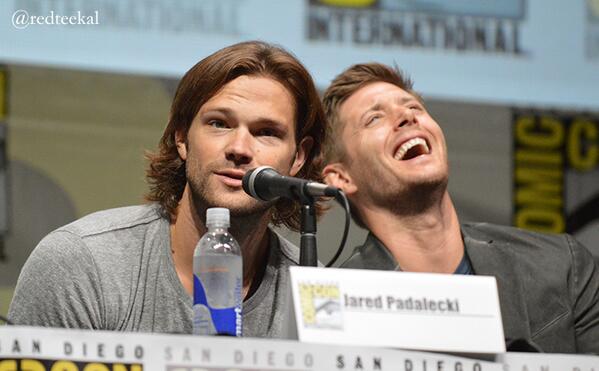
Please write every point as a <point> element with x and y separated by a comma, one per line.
<point>113,270</point>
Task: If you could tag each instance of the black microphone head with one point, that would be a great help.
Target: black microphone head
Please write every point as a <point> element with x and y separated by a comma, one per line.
<point>249,185</point>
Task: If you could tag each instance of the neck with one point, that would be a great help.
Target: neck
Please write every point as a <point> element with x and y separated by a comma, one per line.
<point>429,241</point>
<point>250,232</point>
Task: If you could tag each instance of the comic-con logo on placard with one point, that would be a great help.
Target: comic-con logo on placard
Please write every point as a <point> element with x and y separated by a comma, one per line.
<point>321,305</point>
<point>490,26</point>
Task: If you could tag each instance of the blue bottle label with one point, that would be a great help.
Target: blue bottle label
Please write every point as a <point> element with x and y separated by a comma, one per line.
<point>225,321</point>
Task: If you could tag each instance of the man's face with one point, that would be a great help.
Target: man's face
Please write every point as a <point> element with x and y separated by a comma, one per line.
<point>250,122</point>
<point>393,147</point>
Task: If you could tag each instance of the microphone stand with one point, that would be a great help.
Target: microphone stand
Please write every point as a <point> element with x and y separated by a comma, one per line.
<point>308,252</point>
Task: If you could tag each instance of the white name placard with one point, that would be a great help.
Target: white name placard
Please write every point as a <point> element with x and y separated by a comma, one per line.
<point>424,311</point>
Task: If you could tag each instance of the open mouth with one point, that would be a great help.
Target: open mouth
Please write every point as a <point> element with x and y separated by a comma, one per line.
<point>412,148</point>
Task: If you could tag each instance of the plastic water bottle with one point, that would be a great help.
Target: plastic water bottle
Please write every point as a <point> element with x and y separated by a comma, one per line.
<point>217,279</point>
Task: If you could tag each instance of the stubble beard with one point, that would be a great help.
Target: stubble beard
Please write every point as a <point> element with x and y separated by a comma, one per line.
<point>203,197</point>
<point>413,198</point>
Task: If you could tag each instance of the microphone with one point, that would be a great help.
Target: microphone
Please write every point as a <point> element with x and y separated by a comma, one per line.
<point>265,184</point>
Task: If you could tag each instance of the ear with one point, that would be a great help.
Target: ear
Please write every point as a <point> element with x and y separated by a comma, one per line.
<point>300,156</point>
<point>336,175</point>
<point>181,145</point>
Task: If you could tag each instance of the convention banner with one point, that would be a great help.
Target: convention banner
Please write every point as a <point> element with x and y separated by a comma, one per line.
<point>487,51</point>
<point>556,172</point>
<point>487,27</point>
<point>43,349</point>
<point>46,349</point>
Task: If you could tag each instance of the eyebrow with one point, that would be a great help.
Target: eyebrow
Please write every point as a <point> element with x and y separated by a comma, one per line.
<point>375,107</point>
<point>224,110</point>
<point>378,106</point>
<point>260,120</point>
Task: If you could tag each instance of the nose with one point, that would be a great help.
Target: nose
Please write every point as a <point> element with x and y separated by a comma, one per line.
<point>239,147</point>
<point>405,117</point>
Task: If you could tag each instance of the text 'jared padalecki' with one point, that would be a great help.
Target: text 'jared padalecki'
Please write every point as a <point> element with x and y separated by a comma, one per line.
<point>422,305</point>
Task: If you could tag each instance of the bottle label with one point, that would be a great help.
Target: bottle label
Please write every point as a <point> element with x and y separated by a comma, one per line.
<point>208,320</point>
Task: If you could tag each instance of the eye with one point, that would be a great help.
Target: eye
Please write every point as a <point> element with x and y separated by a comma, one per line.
<point>268,132</point>
<point>372,119</point>
<point>415,107</point>
<point>217,124</point>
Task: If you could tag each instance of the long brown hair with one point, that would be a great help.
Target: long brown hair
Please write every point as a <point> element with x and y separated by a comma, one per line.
<point>166,171</point>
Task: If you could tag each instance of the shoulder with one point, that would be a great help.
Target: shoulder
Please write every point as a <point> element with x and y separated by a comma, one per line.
<point>516,239</point>
<point>548,282</point>
<point>497,245</point>
<point>101,237</point>
<point>59,251</point>
<point>113,231</point>
<point>111,220</point>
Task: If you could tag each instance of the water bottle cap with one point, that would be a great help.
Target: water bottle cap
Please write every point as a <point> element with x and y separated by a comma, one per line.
<point>217,216</point>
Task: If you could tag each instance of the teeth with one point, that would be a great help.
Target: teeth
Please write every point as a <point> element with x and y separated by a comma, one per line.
<point>401,152</point>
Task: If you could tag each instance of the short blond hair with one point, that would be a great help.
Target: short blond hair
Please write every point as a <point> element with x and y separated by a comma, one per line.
<point>346,84</point>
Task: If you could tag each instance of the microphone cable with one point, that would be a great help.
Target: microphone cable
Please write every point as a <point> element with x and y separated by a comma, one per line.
<point>341,198</point>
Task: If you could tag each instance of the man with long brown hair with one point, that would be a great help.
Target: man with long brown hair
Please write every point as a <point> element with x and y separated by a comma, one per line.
<point>247,105</point>
<point>380,129</point>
